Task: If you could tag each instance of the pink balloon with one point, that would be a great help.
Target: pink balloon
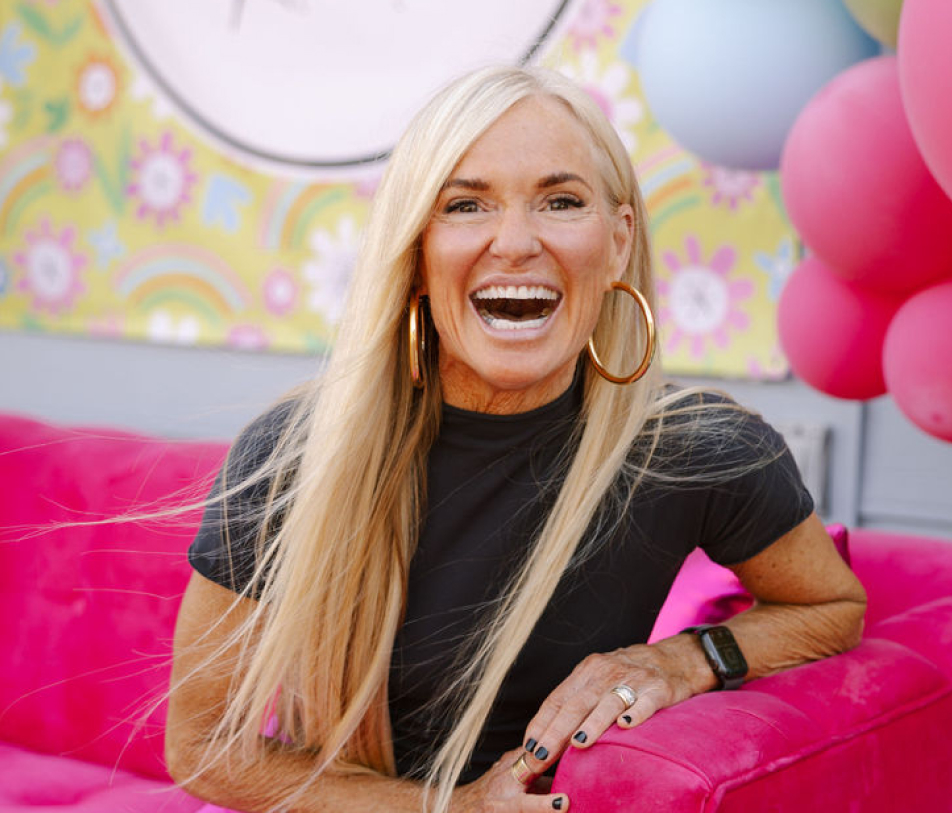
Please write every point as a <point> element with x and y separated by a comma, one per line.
<point>917,360</point>
<point>833,332</point>
<point>925,73</point>
<point>857,188</point>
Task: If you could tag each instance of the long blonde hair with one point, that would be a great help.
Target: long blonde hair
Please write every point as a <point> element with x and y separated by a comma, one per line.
<point>348,473</point>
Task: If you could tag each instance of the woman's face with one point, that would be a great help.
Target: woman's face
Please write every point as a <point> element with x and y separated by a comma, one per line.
<point>520,249</point>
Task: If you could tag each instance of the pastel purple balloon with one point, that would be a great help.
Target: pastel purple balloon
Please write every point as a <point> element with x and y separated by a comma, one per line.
<point>857,189</point>
<point>726,78</point>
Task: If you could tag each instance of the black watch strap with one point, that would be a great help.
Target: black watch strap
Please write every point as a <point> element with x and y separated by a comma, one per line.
<point>722,653</point>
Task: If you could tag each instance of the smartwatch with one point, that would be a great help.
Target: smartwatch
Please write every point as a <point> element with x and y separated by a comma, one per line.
<point>722,653</point>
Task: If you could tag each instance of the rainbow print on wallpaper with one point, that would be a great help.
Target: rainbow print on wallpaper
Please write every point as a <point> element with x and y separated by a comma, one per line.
<point>138,201</point>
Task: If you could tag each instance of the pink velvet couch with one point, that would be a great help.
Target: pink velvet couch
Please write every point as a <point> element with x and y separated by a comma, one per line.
<point>86,619</point>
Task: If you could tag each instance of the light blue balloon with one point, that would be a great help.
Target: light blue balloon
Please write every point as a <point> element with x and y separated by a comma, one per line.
<point>727,78</point>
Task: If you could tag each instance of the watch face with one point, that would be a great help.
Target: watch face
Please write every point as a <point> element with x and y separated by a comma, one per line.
<point>730,653</point>
<point>727,659</point>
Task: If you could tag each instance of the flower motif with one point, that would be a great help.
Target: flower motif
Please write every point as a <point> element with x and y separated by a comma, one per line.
<point>106,243</point>
<point>366,185</point>
<point>773,368</point>
<point>4,277</point>
<point>163,180</point>
<point>50,268</point>
<point>97,85</point>
<point>15,56</point>
<point>700,303</point>
<point>74,164</point>
<point>608,87</point>
<point>143,90</point>
<point>166,328</point>
<point>247,337</point>
<point>280,291</point>
<point>106,326</point>
<point>329,272</point>
<point>224,197</point>
<point>730,186</point>
<point>6,113</point>
<point>592,21</point>
<point>778,267</point>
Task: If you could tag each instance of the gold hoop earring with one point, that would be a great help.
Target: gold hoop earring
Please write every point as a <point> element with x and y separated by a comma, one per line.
<point>417,345</point>
<point>650,338</point>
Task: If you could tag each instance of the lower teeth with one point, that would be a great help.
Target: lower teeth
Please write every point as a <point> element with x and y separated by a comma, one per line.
<point>513,324</point>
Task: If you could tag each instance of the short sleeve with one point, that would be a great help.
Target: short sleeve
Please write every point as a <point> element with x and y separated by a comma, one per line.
<point>225,550</point>
<point>761,497</point>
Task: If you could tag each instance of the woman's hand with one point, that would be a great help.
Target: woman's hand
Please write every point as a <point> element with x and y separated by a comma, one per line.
<point>809,605</point>
<point>499,791</point>
<point>583,706</point>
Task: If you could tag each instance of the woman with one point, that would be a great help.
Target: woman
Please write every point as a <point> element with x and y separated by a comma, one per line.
<point>449,551</point>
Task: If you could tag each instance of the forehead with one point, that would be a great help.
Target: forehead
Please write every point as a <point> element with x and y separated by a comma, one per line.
<point>538,132</point>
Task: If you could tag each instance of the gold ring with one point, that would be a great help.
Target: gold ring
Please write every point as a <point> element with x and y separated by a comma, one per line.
<point>521,771</point>
<point>627,695</point>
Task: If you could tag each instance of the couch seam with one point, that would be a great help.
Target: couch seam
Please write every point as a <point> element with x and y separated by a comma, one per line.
<point>715,791</point>
<point>720,789</point>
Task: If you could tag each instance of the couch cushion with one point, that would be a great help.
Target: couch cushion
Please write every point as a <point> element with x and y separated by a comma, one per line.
<point>867,731</point>
<point>30,782</point>
<point>89,610</point>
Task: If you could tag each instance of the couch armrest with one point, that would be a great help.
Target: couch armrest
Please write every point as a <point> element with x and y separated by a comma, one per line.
<point>869,730</point>
<point>900,571</point>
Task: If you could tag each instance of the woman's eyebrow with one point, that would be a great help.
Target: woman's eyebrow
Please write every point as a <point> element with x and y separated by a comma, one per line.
<point>557,178</point>
<point>475,184</point>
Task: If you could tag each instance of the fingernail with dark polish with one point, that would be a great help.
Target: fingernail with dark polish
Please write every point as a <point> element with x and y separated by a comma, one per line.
<point>541,752</point>
<point>558,802</point>
<point>530,745</point>
<point>626,718</point>
<point>580,736</point>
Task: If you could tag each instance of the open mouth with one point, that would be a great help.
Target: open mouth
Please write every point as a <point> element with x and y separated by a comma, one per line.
<point>515,307</point>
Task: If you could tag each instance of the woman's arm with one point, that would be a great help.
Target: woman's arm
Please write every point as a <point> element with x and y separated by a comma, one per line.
<point>808,605</point>
<point>196,702</point>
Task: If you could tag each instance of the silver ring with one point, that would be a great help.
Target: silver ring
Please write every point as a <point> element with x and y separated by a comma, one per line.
<point>626,693</point>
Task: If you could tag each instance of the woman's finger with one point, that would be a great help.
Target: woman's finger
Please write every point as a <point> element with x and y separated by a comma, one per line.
<point>564,711</point>
<point>553,740</point>
<point>650,700</point>
<point>605,714</point>
<point>511,785</point>
<point>544,804</point>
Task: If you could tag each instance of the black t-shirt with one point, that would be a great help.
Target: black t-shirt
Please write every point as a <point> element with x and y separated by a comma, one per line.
<point>491,481</point>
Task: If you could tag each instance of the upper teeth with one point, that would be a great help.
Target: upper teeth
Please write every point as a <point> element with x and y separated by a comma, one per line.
<point>515,292</point>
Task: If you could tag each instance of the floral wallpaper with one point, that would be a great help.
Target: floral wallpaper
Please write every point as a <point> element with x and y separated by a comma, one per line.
<point>122,218</point>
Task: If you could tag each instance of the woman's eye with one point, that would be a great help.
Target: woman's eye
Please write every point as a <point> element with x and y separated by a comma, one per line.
<point>564,202</point>
<point>465,206</point>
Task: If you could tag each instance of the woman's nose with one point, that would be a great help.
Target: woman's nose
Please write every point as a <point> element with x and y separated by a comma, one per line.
<point>516,236</point>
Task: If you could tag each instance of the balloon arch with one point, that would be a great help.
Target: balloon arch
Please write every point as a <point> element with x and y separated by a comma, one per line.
<point>863,142</point>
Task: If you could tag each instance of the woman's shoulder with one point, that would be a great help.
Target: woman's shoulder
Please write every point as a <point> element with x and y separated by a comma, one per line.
<point>265,436</point>
<point>704,431</point>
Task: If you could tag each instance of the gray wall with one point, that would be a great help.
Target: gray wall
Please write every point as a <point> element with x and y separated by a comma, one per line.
<point>879,470</point>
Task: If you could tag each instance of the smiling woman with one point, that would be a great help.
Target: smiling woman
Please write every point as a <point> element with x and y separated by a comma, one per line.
<point>422,578</point>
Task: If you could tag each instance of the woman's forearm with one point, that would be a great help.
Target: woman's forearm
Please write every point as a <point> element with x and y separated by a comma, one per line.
<point>774,637</point>
<point>266,783</point>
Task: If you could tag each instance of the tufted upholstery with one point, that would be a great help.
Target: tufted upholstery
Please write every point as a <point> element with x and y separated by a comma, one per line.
<point>87,614</point>
<point>869,731</point>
